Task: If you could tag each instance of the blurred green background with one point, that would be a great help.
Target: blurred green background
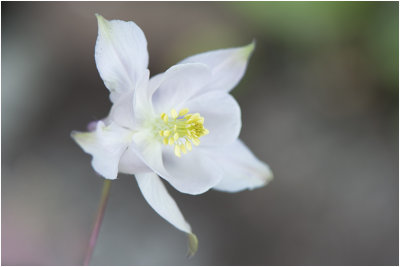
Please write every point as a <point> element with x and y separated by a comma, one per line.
<point>319,105</point>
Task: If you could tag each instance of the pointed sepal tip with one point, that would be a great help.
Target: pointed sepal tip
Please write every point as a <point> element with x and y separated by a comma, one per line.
<point>193,245</point>
<point>249,49</point>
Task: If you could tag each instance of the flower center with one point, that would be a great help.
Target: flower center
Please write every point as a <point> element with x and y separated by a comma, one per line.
<point>182,130</point>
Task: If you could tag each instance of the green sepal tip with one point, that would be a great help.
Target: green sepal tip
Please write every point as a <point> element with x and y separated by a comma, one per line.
<point>193,245</point>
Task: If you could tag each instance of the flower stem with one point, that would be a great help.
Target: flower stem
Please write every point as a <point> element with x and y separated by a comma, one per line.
<point>99,219</point>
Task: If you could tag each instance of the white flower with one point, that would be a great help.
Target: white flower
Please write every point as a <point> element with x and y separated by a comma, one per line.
<point>181,125</point>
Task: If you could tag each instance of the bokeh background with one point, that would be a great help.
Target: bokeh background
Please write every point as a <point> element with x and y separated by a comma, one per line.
<point>319,105</point>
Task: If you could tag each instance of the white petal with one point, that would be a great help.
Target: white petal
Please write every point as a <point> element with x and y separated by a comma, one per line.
<point>158,198</point>
<point>149,150</point>
<point>131,163</point>
<point>142,106</point>
<point>242,170</point>
<point>106,145</point>
<point>131,108</point>
<point>221,115</point>
<point>227,66</point>
<point>156,80</point>
<point>178,84</point>
<point>121,55</point>
<point>122,111</point>
<point>193,173</point>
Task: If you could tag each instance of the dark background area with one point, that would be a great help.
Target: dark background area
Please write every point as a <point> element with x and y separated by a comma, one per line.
<point>319,105</point>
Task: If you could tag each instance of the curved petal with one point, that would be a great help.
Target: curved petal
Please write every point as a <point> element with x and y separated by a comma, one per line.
<point>227,65</point>
<point>121,55</point>
<point>158,198</point>
<point>155,82</point>
<point>133,106</point>
<point>149,150</point>
<point>131,163</point>
<point>106,144</point>
<point>194,173</point>
<point>142,106</point>
<point>222,117</point>
<point>178,84</point>
<point>122,111</point>
<point>242,170</point>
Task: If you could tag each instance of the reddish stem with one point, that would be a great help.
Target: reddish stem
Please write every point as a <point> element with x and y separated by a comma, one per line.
<point>99,219</point>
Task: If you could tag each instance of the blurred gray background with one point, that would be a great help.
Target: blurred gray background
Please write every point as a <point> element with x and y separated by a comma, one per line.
<point>319,105</point>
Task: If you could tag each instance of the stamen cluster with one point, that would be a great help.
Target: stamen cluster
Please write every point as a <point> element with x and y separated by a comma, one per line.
<point>182,130</point>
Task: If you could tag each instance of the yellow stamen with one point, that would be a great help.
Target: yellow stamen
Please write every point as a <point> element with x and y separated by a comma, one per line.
<point>182,130</point>
<point>174,114</point>
<point>183,111</point>
<point>183,148</point>
<point>171,141</point>
<point>164,117</point>
<point>188,146</point>
<point>196,141</point>
<point>177,151</point>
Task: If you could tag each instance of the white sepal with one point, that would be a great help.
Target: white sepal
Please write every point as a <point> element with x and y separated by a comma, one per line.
<point>227,66</point>
<point>159,199</point>
<point>121,55</point>
<point>106,144</point>
<point>242,170</point>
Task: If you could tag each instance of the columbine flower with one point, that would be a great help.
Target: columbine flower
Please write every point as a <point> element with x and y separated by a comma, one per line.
<point>181,125</point>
